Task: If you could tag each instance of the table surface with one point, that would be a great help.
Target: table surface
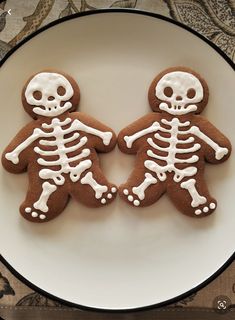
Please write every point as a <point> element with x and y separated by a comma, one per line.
<point>213,19</point>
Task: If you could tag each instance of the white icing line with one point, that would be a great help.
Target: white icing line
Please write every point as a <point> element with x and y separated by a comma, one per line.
<point>47,190</point>
<point>98,188</point>
<point>197,199</point>
<point>140,190</point>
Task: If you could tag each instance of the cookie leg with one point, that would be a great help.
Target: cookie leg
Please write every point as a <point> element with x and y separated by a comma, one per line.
<point>43,202</point>
<point>93,189</point>
<point>192,197</point>
<point>142,188</point>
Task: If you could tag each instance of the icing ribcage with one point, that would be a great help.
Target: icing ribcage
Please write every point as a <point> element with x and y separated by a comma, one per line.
<point>62,149</point>
<point>167,148</point>
<point>65,154</point>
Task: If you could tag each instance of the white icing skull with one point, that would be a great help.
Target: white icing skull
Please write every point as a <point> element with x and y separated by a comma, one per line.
<point>47,91</point>
<point>182,90</point>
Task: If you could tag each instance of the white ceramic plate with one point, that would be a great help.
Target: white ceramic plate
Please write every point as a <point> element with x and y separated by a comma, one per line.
<point>117,257</point>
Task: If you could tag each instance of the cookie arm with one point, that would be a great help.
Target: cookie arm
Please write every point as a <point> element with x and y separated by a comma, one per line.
<point>131,138</point>
<point>217,146</point>
<point>101,137</point>
<point>14,157</point>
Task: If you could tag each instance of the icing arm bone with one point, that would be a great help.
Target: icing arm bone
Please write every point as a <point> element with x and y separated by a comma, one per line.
<point>105,136</point>
<point>220,152</point>
<point>130,139</point>
<point>13,156</point>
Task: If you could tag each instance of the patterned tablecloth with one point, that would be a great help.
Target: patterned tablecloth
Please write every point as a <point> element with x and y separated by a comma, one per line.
<point>214,19</point>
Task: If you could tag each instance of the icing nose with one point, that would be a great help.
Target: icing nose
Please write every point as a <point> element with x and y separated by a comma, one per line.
<point>178,98</point>
<point>50,98</point>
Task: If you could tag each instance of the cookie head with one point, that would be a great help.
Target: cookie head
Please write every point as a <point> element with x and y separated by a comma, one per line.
<point>178,91</point>
<point>50,94</point>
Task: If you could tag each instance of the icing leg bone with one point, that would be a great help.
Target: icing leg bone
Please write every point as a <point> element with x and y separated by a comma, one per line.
<point>98,188</point>
<point>105,136</point>
<point>219,151</point>
<point>75,172</point>
<point>13,156</point>
<point>197,199</point>
<point>140,190</point>
<point>130,139</point>
<point>47,190</point>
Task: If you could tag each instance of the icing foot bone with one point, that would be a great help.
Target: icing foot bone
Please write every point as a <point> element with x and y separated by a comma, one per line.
<point>207,208</point>
<point>35,214</point>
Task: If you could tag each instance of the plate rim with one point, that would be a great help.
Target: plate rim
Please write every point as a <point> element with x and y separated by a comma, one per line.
<point>135,309</point>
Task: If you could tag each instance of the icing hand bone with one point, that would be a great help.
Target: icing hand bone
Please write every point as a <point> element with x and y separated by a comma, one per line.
<point>105,136</point>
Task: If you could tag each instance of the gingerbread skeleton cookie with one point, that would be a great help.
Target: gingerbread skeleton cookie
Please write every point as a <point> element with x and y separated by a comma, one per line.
<point>172,145</point>
<point>59,149</point>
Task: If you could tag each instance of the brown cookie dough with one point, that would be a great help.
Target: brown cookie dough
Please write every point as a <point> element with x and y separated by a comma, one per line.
<point>172,145</point>
<point>59,149</point>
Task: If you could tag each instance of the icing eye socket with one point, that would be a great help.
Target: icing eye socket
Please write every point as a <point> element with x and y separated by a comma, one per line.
<point>61,91</point>
<point>191,93</point>
<point>37,95</point>
<point>168,92</point>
